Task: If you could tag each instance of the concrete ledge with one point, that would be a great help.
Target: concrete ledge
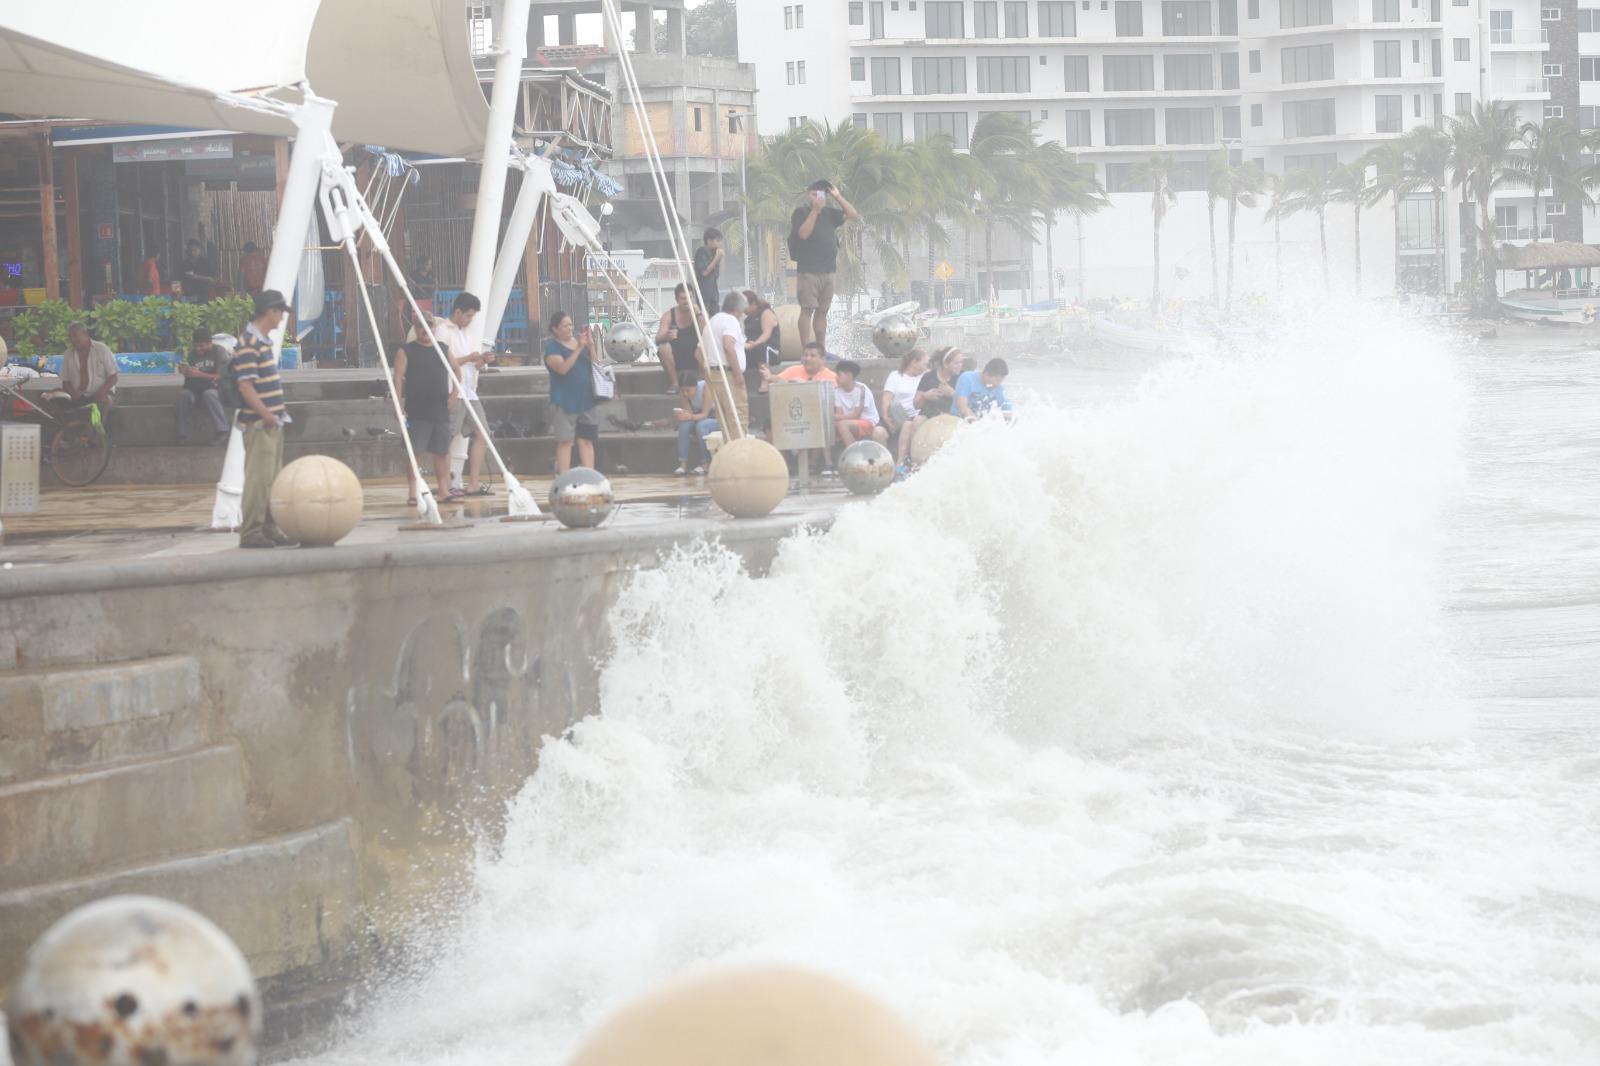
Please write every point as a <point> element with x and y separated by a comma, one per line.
<point>426,549</point>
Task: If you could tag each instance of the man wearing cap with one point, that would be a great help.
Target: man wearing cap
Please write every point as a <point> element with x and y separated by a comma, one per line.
<point>262,416</point>
<point>201,372</point>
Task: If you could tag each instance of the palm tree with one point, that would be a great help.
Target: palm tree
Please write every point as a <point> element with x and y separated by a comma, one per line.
<point>1310,190</point>
<point>1070,188</point>
<point>1392,177</point>
<point>1279,207</point>
<point>1481,161</point>
<point>1157,171</point>
<point>1216,178</point>
<point>1427,151</point>
<point>1010,185</point>
<point>1347,184</point>
<point>1240,185</point>
<point>1551,159</point>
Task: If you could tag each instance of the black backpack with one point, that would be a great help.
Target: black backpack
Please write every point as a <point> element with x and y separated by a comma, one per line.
<point>228,384</point>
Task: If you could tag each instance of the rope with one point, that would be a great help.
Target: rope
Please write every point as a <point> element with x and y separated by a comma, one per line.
<point>680,245</point>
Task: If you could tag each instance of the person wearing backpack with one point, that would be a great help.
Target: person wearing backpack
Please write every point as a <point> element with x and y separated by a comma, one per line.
<point>202,375</point>
<point>263,416</point>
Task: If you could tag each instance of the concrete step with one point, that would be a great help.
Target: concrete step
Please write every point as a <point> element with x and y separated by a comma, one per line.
<point>289,902</point>
<point>61,827</point>
<point>71,718</point>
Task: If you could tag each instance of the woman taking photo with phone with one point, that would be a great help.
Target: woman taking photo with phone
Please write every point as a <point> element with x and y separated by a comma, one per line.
<point>569,357</point>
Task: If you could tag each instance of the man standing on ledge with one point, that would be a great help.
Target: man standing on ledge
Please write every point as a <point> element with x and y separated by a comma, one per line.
<point>814,245</point>
<point>262,415</point>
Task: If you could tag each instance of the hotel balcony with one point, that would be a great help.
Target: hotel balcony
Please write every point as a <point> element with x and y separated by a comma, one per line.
<point>1519,40</point>
<point>1520,89</point>
<point>1511,234</point>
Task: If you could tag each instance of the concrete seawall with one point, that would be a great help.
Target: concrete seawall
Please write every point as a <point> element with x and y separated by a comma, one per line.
<point>304,745</point>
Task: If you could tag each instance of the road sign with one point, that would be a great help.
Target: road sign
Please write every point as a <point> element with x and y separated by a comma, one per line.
<point>944,271</point>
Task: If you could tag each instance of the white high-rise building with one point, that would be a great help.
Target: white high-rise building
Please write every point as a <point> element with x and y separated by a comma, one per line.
<point>1292,84</point>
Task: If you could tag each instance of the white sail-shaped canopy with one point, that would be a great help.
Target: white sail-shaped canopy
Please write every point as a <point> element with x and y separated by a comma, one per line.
<point>400,70</point>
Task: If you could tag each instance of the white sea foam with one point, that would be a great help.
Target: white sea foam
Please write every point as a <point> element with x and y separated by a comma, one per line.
<point>1128,735</point>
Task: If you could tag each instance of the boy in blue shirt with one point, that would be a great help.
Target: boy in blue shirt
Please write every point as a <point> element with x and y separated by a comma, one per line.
<point>980,391</point>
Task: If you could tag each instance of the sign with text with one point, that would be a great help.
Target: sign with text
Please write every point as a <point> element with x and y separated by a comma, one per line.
<point>802,414</point>
<point>173,151</point>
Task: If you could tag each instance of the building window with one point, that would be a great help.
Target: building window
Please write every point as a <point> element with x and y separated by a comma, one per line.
<point>1463,49</point>
<point>698,120</point>
<point>875,14</point>
<point>859,119</point>
<point>1230,124</point>
<point>799,16</point>
<point>1589,118</point>
<point>1589,68</point>
<point>1057,18</point>
<point>1438,110</point>
<point>800,72</point>
<point>788,72</point>
<point>1552,70</point>
<point>1130,126</point>
<point>1255,114</point>
<point>1385,10</point>
<point>1253,9</point>
<point>1463,104</point>
<point>1554,111</point>
<point>1416,105</point>
<point>1230,69</point>
<point>1308,118</point>
<point>788,18</point>
<point>1588,19</point>
<point>986,18</point>
<point>934,75</point>
<point>1436,52</point>
<point>890,125</point>
<point>1016,13</point>
<point>1186,18</point>
<point>942,19</point>
<point>1003,74</point>
<point>1125,177</point>
<point>1549,14</point>
<point>1505,217</point>
<point>1500,27</point>
<point>1416,51</point>
<point>1293,14</point>
<point>1075,74</point>
<point>1388,116</point>
<point>1556,207</point>
<point>857,12</point>
<point>858,69</point>
<point>1255,61</point>
<point>794,123</point>
<point>885,72</point>
<point>952,124</point>
<point>1128,74</point>
<point>1077,129</point>
<point>1130,18</point>
<point>1191,125</point>
<point>1186,72</point>
<point>1316,163</point>
<point>1385,59</point>
<point>1308,62</point>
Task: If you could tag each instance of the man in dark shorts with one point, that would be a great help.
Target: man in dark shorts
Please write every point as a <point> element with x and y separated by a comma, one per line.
<point>427,394</point>
<point>814,246</point>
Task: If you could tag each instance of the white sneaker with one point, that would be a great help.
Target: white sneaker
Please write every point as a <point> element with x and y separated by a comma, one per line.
<point>699,471</point>
<point>680,472</point>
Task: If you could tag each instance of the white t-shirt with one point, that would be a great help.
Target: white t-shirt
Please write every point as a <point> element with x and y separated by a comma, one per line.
<point>455,340</point>
<point>902,388</point>
<point>860,396</point>
<point>723,324</point>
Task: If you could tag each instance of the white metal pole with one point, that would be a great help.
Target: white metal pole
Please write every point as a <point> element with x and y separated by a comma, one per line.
<point>312,120</point>
<point>511,45</point>
<point>536,181</point>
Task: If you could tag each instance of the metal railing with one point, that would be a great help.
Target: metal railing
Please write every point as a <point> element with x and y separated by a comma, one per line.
<point>1525,233</point>
<point>1514,36</point>
<point>1518,86</point>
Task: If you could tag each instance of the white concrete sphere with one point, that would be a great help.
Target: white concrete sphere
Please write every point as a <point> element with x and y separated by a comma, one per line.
<point>932,435</point>
<point>789,332</point>
<point>133,979</point>
<point>625,342</point>
<point>759,1017</point>
<point>895,335</point>
<point>582,498</point>
<point>748,477</point>
<point>316,500</point>
<point>866,468</point>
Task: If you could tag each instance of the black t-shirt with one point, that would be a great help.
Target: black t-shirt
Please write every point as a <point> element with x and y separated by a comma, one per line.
<point>931,408</point>
<point>211,363</point>
<point>818,253</point>
<point>427,385</point>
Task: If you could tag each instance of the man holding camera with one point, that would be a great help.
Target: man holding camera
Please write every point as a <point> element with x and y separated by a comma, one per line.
<point>814,246</point>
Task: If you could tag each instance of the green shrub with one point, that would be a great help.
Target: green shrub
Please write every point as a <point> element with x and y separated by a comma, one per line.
<point>130,327</point>
<point>42,329</point>
<point>229,314</point>
<point>182,320</point>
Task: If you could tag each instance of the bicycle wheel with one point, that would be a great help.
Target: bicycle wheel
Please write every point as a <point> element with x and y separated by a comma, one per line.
<point>80,454</point>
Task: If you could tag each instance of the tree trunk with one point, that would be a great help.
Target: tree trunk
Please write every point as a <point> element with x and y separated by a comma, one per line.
<point>1211,232</point>
<point>1396,242</point>
<point>1233,213</point>
<point>1155,285</point>
<point>988,264</point>
<point>1488,291</point>
<point>1322,239</point>
<point>1050,257</point>
<point>1441,204</point>
<point>1277,254</point>
<point>1357,208</point>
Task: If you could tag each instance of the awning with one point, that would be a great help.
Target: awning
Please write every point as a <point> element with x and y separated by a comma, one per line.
<point>83,136</point>
<point>400,70</point>
<point>1556,255</point>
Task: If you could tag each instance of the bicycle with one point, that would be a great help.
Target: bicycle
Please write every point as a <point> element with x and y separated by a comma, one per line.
<point>72,433</point>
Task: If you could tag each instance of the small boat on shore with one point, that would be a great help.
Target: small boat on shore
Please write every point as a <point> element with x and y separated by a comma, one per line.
<point>1572,308</point>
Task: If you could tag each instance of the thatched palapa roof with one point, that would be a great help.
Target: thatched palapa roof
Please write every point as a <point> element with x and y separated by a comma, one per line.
<point>1554,256</point>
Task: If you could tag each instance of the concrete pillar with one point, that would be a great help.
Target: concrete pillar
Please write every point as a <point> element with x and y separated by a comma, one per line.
<point>566,29</point>
<point>535,32</point>
<point>677,42</point>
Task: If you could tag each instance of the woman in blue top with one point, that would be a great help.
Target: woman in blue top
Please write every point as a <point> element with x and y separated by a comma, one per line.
<point>571,392</point>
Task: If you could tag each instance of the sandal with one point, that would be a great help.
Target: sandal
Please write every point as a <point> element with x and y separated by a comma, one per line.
<point>482,490</point>
<point>455,496</point>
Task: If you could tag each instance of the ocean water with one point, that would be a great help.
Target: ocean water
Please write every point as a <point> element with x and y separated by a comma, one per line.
<point>1236,710</point>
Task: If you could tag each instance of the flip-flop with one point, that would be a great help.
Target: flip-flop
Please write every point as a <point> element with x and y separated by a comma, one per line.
<point>483,490</point>
<point>455,497</point>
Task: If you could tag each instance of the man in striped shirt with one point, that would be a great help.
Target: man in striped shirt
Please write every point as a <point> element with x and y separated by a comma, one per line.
<point>262,415</point>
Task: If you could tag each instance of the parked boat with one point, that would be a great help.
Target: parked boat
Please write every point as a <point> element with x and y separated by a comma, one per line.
<point>1536,305</point>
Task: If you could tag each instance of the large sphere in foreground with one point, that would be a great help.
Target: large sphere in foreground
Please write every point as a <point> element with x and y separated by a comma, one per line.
<point>866,468</point>
<point>582,498</point>
<point>760,1017</point>
<point>748,477</point>
<point>932,435</point>
<point>895,335</point>
<point>789,345</point>
<point>316,500</point>
<point>134,979</point>
<point>626,342</point>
